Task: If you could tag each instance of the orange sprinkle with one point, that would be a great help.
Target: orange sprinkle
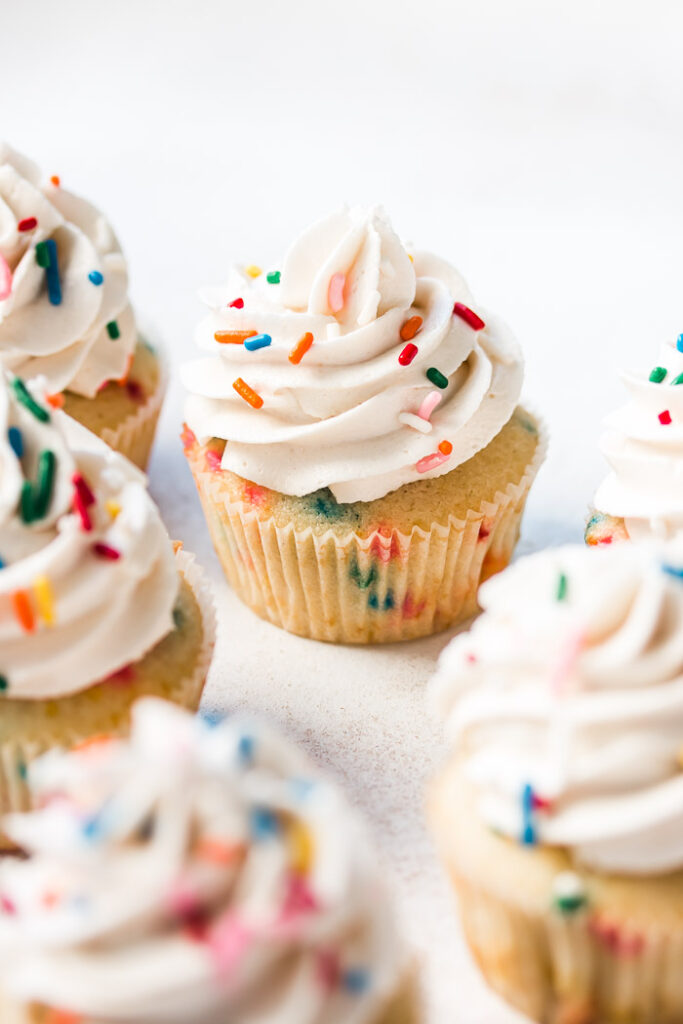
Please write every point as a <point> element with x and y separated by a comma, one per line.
<point>56,180</point>
<point>234,337</point>
<point>123,379</point>
<point>23,609</point>
<point>410,328</point>
<point>445,447</point>
<point>62,1017</point>
<point>301,348</point>
<point>217,852</point>
<point>101,739</point>
<point>56,401</point>
<point>248,394</point>
<point>177,546</point>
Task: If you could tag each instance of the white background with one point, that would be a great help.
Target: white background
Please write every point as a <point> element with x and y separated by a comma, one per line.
<point>537,145</point>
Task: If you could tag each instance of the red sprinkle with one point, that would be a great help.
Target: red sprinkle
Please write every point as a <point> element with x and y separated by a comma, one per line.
<point>469,316</point>
<point>408,354</point>
<point>27,224</point>
<point>78,480</point>
<point>104,551</point>
<point>665,418</point>
<point>237,303</point>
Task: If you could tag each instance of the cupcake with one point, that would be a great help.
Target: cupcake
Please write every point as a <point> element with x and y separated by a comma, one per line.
<point>560,813</point>
<point>95,607</point>
<point>643,495</point>
<point>199,873</point>
<point>65,313</point>
<point>355,436</point>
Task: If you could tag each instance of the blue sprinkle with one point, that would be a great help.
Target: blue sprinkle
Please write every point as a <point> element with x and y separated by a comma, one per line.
<point>679,343</point>
<point>356,980</point>
<point>2,563</point>
<point>92,827</point>
<point>389,601</point>
<point>264,824</point>
<point>672,570</point>
<point>302,788</point>
<point>373,601</point>
<point>258,341</point>
<point>211,719</point>
<point>245,749</point>
<point>54,285</point>
<point>528,830</point>
<point>16,440</point>
<point>96,277</point>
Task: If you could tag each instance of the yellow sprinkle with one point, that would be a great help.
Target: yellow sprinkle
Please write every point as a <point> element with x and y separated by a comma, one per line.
<point>411,258</point>
<point>301,847</point>
<point>253,271</point>
<point>44,599</point>
<point>112,507</point>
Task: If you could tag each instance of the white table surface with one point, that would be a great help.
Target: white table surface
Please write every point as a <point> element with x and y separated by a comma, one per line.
<point>537,145</point>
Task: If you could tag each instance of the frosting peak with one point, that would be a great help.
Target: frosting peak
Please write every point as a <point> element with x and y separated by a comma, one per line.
<point>87,573</point>
<point>565,702</point>
<point>350,367</point>
<point>63,283</point>
<point>200,873</point>
<point>643,444</point>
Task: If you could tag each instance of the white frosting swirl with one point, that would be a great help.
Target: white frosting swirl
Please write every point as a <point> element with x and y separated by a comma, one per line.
<point>571,683</point>
<point>76,604</point>
<point>200,873</point>
<point>643,444</point>
<point>335,419</point>
<point>68,343</point>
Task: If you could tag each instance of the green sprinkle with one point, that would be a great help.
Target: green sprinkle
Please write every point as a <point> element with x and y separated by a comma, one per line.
<point>679,379</point>
<point>113,330</point>
<point>273,277</point>
<point>570,904</point>
<point>437,378</point>
<point>43,255</point>
<point>22,770</point>
<point>178,617</point>
<point>46,475</point>
<point>562,587</point>
<point>26,398</point>
<point>569,893</point>
<point>4,684</point>
<point>658,374</point>
<point>28,513</point>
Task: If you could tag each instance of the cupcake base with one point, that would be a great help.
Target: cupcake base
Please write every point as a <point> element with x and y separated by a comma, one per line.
<point>124,414</point>
<point>175,669</point>
<point>612,956</point>
<point>403,566</point>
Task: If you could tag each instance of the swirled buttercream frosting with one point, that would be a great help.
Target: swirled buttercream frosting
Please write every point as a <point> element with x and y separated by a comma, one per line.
<point>356,367</point>
<point>643,444</point>
<point>565,703</point>
<point>87,572</point>
<point>64,308</point>
<point>200,872</point>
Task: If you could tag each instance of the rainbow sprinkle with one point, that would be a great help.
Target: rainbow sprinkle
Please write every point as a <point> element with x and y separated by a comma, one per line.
<point>437,378</point>
<point>658,375</point>
<point>257,341</point>
<point>234,337</point>
<point>54,285</point>
<point>252,270</point>
<point>16,441</point>
<point>409,419</point>
<point>23,611</point>
<point>407,354</point>
<point>113,330</point>
<point>562,587</point>
<point>528,837</point>
<point>469,316</point>
<point>665,418</point>
<point>430,462</point>
<point>4,684</point>
<point>24,396</point>
<point>106,552</point>
<point>679,343</point>
<point>42,588</point>
<point>410,328</point>
<point>301,348</point>
<point>237,304</point>
<point>96,277</point>
<point>250,396</point>
<point>429,404</point>
<point>273,277</point>
<point>27,224</point>
<point>335,292</point>
<point>5,279</point>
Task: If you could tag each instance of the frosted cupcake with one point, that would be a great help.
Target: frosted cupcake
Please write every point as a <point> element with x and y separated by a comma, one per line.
<point>65,313</point>
<point>95,607</point>
<point>200,873</point>
<point>355,436</point>
<point>560,814</point>
<point>643,495</point>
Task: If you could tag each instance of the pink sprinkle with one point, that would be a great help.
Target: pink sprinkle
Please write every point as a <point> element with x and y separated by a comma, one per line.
<point>228,941</point>
<point>7,906</point>
<point>567,662</point>
<point>665,418</point>
<point>213,460</point>
<point>469,316</point>
<point>429,405</point>
<point>431,462</point>
<point>5,279</point>
<point>104,551</point>
<point>237,303</point>
<point>335,292</point>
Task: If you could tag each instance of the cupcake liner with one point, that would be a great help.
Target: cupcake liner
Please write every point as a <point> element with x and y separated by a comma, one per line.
<point>134,436</point>
<point>17,754</point>
<point>613,958</point>
<point>403,1005</point>
<point>362,589</point>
